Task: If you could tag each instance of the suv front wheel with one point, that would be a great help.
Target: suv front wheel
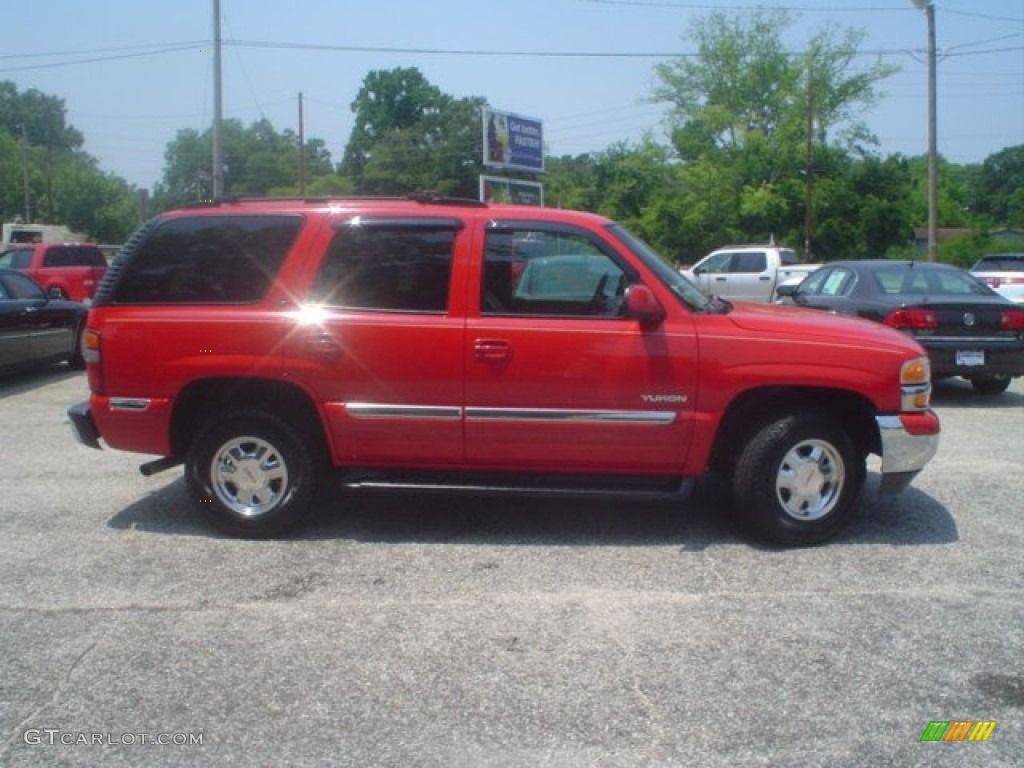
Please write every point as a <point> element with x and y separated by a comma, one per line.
<point>251,474</point>
<point>797,480</point>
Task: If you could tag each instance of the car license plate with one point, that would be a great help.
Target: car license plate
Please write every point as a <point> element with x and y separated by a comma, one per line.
<point>970,357</point>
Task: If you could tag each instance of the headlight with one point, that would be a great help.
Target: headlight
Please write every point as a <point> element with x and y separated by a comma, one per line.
<point>916,384</point>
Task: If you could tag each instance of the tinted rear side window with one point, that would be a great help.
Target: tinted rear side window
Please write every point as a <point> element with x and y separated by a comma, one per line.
<point>398,267</point>
<point>207,260</point>
<point>74,256</point>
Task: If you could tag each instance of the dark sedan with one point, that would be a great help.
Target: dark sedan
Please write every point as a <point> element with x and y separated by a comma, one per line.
<point>967,329</point>
<point>35,329</point>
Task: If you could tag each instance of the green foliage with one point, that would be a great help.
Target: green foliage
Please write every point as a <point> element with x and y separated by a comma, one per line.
<point>754,123</point>
<point>736,87</point>
<point>735,170</point>
<point>258,160</point>
<point>41,157</point>
<point>37,117</point>
<point>89,200</point>
<point>409,136</point>
<point>998,193</point>
<point>964,251</point>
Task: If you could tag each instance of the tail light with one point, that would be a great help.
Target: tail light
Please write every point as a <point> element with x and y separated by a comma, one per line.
<point>1012,320</point>
<point>995,282</point>
<point>911,318</point>
<point>90,346</point>
<point>91,355</point>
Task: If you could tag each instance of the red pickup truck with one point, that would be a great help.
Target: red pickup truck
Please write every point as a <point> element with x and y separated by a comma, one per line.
<point>65,270</point>
<point>445,344</point>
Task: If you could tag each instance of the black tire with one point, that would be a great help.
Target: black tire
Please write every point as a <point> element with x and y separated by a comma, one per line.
<point>991,385</point>
<point>797,480</point>
<point>76,362</point>
<point>276,474</point>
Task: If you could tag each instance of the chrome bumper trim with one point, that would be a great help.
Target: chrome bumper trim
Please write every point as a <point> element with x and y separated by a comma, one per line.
<point>903,454</point>
<point>137,404</point>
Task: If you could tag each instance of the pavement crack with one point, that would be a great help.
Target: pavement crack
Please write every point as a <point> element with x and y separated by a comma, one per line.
<point>616,621</point>
<point>63,685</point>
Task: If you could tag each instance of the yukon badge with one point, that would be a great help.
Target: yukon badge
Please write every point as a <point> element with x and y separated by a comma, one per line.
<point>663,398</point>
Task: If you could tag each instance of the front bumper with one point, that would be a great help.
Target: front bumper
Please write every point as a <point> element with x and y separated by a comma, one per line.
<point>82,425</point>
<point>909,441</point>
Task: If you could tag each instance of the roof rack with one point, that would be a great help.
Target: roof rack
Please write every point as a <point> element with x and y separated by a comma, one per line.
<point>424,198</point>
<point>432,198</point>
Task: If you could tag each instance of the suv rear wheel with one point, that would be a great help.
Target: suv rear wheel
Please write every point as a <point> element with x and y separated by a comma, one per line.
<point>251,474</point>
<point>991,385</point>
<point>797,480</point>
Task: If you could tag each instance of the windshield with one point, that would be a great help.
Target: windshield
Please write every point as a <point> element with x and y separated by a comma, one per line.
<point>686,291</point>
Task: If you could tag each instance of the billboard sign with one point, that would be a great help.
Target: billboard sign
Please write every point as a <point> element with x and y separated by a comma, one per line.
<point>512,141</point>
<point>495,189</point>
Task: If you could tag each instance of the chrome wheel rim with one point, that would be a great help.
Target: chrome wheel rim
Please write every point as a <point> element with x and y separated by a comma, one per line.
<point>249,476</point>
<point>810,480</point>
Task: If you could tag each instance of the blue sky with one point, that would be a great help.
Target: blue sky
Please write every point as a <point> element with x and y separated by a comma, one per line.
<point>134,72</point>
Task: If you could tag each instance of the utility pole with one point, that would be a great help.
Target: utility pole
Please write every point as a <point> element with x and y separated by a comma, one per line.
<point>24,173</point>
<point>928,6</point>
<point>302,153</point>
<point>218,108</point>
<point>809,167</point>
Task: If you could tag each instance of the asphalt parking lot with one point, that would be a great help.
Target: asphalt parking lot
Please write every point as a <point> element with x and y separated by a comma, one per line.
<point>439,631</point>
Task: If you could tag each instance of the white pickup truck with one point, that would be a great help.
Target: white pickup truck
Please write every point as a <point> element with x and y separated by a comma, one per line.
<point>748,272</point>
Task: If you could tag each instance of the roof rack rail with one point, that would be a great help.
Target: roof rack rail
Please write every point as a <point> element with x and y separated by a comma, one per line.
<point>426,198</point>
<point>432,198</point>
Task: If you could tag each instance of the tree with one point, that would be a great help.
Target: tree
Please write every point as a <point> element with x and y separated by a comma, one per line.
<point>389,103</point>
<point>38,117</point>
<point>41,151</point>
<point>409,136</point>
<point>997,191</point>
<point>761,126</point>
<point>92,201</point>
<point>258,161</point>
<point>737,88</point>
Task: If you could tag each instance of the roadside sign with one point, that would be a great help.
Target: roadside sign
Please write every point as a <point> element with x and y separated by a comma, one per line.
<point>512,141</point>
<point>495,189</point>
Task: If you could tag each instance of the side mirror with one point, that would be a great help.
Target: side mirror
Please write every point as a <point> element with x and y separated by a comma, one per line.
<point>641,305</point>
<point>789,291</point>
<point>53,292</point>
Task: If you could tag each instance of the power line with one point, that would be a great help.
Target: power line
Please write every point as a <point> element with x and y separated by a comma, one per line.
<point>552,54</point>
<point>55,64</point>
<point>516,53</point>
<point>721,7</point>
<point>1018,20</point>
<point>794,8</point>
<point>152,47</point>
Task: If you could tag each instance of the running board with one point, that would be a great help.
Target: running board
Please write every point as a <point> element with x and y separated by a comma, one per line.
<point>516,484</point>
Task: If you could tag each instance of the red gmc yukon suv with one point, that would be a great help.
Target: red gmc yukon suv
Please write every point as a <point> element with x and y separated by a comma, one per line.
<point>449,344</point>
